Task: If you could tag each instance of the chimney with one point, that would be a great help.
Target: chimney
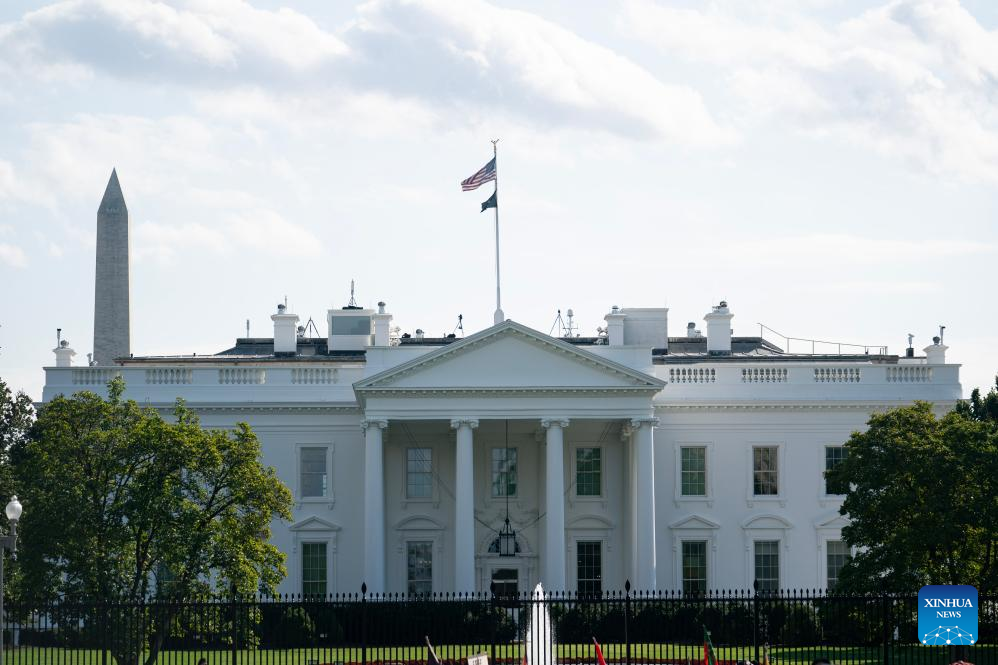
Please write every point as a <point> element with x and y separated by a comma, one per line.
<point>419,334</point>
<point>615,326</point>
<point>63,354</point>
<point>691,329</point>
<point>285,332</point>
<point>719,330</point>
<point>382,326</point>
<point>935,354</point>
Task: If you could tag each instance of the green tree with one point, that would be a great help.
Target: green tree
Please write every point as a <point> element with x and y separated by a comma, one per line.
<point>127,506</point>
<point>16,418</point>
<point>984,409</point>
<point>923,502</point>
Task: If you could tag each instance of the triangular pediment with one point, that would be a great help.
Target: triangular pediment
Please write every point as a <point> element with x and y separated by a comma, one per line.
<point>832,521</point>
<point>694,522</point>
<point>314,524</point>
<point>510,356</point>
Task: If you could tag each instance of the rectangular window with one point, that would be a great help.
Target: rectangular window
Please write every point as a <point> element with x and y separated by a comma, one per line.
<point>694,566</point>
<point>764,471</point>
<point>588,472</point>
<point>694,471</point>
<point>836,556</point>
<point>419,567</point>
<point>419,473</point>
<point>506,581</point>
<point>589,566</point>
<point>350,325</point>
<point>834,455</point>
<point>314,478</point>
<point>767,565</point>
<point>313,569</point>
<point>504,472</point>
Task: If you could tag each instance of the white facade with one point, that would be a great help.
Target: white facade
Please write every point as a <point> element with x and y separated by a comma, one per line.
<point>390,448</point>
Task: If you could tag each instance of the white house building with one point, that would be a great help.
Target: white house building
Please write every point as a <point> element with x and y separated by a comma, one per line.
<point>692,462</point>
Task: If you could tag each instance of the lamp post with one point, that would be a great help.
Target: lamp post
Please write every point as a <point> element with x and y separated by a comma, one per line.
<point>9,543</point>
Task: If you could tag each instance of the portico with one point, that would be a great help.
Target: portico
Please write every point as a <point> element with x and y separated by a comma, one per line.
<point>451,401</point>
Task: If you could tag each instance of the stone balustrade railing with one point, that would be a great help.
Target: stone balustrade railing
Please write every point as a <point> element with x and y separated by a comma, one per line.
<point>722,381</point>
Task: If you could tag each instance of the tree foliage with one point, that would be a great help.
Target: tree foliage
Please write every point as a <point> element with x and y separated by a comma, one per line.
<point>125,505</point>
<point>16,417</point>
<point>923,501</point>
<point>983,409</point>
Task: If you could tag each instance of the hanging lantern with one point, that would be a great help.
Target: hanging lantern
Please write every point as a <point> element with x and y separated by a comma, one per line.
<point>507,540</point>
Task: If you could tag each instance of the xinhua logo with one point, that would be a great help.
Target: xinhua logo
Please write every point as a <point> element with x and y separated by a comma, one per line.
<point>947,614</point>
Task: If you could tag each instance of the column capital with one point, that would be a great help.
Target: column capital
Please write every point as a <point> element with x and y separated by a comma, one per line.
<point>456,423</point>
<point>650,421</point>
<point>547,423</point>
<point>380,423</point>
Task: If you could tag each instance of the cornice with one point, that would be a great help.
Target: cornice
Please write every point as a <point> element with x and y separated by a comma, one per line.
<point>259,407</point>
<point>791,406</point>
<point>488,391</point>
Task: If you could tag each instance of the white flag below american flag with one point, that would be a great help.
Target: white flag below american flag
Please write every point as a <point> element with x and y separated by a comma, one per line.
<point>486,174</point>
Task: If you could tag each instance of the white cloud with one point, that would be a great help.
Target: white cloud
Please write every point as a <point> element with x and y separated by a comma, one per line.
<point>12,255</point>
<point>262,230</point>
<point>915,79</point>
<point>469,51</point>
<point>206,41</point>
<point>468,57</point>
<point>269,232</point>
<point>824,253</point>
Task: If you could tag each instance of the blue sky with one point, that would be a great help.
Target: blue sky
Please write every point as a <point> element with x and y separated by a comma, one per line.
<point>829,168</point>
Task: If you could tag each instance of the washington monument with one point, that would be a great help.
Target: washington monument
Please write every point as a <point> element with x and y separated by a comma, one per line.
<point>112,325</point>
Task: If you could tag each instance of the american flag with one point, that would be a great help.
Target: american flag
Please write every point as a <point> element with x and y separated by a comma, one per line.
<point>486,174</point>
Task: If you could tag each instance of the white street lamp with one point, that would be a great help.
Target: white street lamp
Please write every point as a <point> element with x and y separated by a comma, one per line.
<point>9,543</point>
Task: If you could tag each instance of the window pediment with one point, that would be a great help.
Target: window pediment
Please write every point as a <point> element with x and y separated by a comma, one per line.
<point>694,522</point>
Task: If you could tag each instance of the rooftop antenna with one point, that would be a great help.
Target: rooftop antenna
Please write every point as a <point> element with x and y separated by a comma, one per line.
<point>571,327</point>
<point>311,326</point>
<point>460,324</point>
<point>911,340</point>
<point>247,329</point>
<point>564,329</point>
<point>353,302</point>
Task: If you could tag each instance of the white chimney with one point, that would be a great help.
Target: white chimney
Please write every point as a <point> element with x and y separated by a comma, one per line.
<point>63,354</point>
<point>382,326</point>
<point>691,329</point>
<point>935,354</point>
<point>719,330</point>
<point>646,326</point>
<point>615,326</point>
<point>285,332</point>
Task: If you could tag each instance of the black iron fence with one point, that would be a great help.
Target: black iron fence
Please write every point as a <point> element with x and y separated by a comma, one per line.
<point>633,628</point>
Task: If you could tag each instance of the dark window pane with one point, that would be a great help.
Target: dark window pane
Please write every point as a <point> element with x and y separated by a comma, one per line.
<point>589,567</point>
<point>834,455</point>
<point>313,569</point>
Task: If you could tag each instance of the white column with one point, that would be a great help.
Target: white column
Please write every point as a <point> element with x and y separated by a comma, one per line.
<point>554,531</point>
<point>643,445</point>
<point>374,505</point>
<point>464,506</point>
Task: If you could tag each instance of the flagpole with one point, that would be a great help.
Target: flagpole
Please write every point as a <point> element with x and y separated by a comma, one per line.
<point>498,317</point>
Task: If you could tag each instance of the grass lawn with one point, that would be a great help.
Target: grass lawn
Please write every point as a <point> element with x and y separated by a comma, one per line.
<point>512,654</point>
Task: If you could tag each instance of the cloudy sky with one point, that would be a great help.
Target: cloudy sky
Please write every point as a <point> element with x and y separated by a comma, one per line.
<point>830,167</point>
